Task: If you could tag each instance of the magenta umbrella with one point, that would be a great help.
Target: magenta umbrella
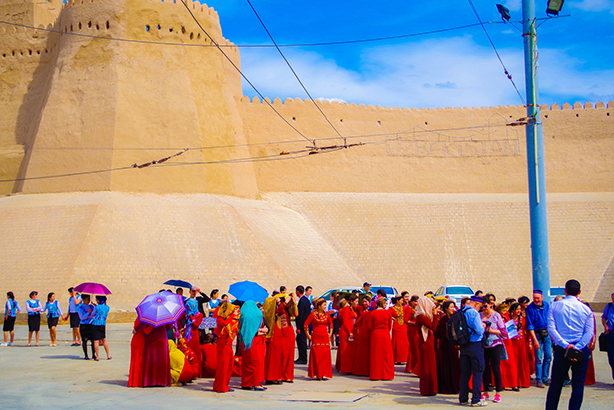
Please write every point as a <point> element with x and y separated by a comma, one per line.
<point>160,308</point>
<point>92,288</point>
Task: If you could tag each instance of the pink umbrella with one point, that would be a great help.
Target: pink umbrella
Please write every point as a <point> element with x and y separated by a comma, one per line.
<point>91,288</point>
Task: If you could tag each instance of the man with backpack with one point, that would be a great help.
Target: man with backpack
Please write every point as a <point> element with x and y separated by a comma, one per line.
<point>468,333</point>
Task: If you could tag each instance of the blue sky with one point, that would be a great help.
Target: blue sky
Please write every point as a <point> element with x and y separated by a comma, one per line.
<point>456,68</point>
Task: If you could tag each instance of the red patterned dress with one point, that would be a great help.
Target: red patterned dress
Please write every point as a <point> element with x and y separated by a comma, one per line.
<point>320,362</point>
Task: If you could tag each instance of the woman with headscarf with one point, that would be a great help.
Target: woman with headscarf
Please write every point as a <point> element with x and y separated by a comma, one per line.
<point>193,320</point>
<point>448,361</point>
<point>252,331</point>
<point>426,321</point>
<point>413,358</point>
<point>227,327</point>
<point>347,340</point>
<point>381,359</point>
<point>400,343</point>
<point>363,342</point>
<point>320,362</point>
<point>279,362</point>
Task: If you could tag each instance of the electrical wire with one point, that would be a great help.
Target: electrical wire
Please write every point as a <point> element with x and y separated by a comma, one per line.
<point>240,72</point>
<point>292,69</point>
<point>507,74</point>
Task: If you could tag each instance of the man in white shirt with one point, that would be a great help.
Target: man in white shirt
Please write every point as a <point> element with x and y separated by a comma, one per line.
<point>572,326</point>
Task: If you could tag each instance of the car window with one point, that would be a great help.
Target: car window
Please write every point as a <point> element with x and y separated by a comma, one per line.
<point>388,289</point>
<point>439,291</point>
<point>460,290</point>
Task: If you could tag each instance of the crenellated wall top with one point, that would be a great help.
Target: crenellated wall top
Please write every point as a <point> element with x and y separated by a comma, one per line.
<point>299,102</point>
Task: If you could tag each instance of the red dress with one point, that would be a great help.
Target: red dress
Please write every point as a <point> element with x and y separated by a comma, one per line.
<point>288,336</point>
<point>413,356</point>
<point>156,359</point>
<point>209,360</point>
<point>347,318</point>
<point>348,356</point>
<point>272,361</point>
<point>227,330</point>
<point>521,355</point>
<point>381,358</point>
<point>194,342</point>
<point>428,357</point>
<point>363,340</point>
<point>137,345</point>
<point>320,362</point>
<point>252,372</point>
<point>400,342</point>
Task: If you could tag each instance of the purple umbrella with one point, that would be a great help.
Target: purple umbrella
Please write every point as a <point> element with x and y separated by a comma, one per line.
<point>91,288</point>
<point>160,308</point>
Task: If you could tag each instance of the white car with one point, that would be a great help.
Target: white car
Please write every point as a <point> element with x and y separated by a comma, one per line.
<point>391,291</point>
<point>455,292</point>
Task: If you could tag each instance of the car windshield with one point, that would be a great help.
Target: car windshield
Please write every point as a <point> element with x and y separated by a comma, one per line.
<point>388,289</point>
<point>460,290</point>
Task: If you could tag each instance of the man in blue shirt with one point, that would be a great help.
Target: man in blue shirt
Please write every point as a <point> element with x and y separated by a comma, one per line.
<point>472,355</point>
<point>571,326</point>
<point>537,325</point>
<point>607,319</point>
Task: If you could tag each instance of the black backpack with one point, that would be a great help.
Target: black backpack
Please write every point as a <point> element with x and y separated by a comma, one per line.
<point>458,330</point>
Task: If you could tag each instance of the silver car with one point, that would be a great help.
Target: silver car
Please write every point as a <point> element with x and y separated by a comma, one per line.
<point>455,292</point>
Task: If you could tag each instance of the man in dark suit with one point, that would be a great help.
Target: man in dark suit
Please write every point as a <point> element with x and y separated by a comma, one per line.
<point>304,309</point>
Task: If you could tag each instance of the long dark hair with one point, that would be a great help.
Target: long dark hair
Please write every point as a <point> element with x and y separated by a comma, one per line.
<point>11,295</point>
<point>49,296</point>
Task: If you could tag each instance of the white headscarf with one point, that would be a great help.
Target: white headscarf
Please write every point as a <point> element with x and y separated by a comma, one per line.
<point>425,307</point>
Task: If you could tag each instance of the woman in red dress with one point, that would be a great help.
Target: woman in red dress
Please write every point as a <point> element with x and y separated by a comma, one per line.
<point>381,358</point>
<point>279,361</point>
<point>156,362</point>
<point>426,320</point>
<point>363,323</point>
<point>252,331</point>
<point>509,366</point>
<point>400,342</point>
<point>519,346</point>
<point>320,362</point>
<point>209,357</point>
<point>590,372</point>
<point>227,327</point>
<point>347,333</point>
<point>448,361</point>
<point>137,345</point>
<point>413,357</point>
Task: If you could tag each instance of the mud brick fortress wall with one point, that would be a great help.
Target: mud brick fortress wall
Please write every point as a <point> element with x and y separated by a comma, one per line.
<point>433,197</point>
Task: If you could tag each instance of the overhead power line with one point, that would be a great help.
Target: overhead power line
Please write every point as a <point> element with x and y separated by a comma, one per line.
<point>507,74</point>
<point>292,69</point>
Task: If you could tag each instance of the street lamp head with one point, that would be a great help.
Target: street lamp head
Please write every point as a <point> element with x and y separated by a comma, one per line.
<point>554,7</point>
<point>504,11</point>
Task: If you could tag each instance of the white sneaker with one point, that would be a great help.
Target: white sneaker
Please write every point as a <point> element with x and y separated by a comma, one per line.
<point>4,344</point>
<point>481,403</point>
<point>10,343</point>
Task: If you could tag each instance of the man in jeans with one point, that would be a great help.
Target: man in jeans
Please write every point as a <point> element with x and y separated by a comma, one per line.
<point>537,325</point>
<point>472,355</point>
<point>572,326</point>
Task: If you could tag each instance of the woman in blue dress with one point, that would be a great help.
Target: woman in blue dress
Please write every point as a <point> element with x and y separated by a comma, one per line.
<point>10,313</point>
<point>99,325</point>
<point>34,307</point>
<point>54,312</point>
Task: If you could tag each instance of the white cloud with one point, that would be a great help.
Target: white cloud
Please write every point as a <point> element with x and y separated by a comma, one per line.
<point>593,5</point>
<point>431,73</point>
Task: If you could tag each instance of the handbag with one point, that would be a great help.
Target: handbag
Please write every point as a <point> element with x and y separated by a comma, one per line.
<point>572,353</point>
<point>603,342</point>
<point>504,355</point>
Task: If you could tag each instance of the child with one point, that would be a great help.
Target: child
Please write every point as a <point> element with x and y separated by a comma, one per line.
<point>99,325</point>
<point>10,313</point>
<point>54,313</point>
<point>34,307</point>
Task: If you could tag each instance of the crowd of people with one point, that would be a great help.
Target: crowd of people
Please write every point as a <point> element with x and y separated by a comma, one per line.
<point>87,319</point>
<point>506,342</point>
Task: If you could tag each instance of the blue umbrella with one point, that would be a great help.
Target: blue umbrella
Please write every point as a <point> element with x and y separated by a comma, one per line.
<point>247,290</point>
<point>178,283</point>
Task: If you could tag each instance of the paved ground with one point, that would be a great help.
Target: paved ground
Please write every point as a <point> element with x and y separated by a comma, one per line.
<point>45,377</point>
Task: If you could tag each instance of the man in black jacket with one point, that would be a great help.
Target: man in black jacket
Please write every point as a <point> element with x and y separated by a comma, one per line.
<point>304,309</point>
